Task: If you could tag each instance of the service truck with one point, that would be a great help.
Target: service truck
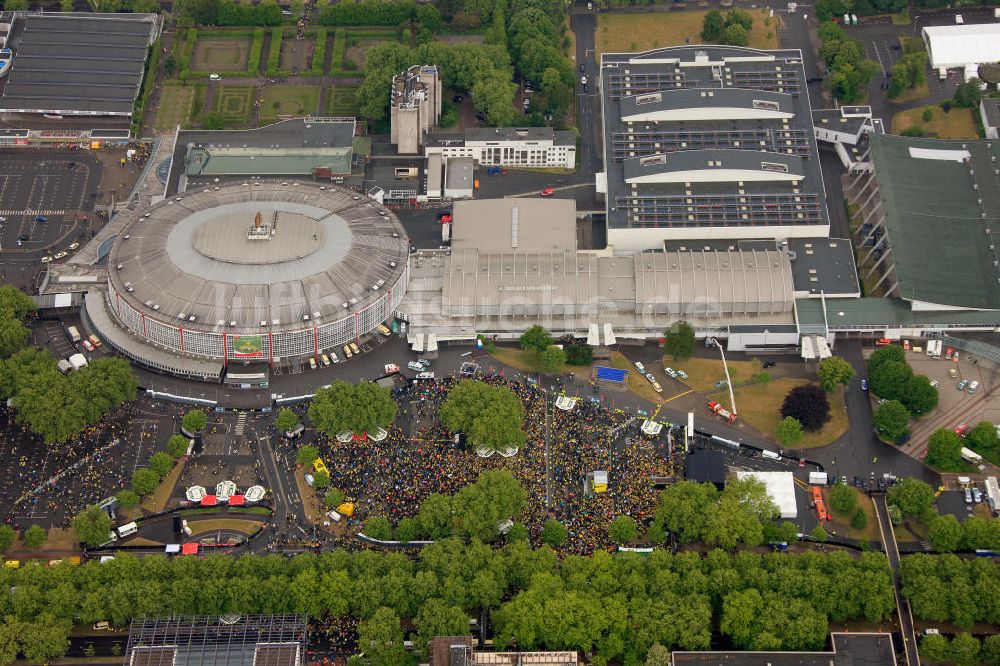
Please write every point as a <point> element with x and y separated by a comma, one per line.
<point>77,361</point>
<point>721,411</point>
<point>446,233</point>
<point>74,335</point>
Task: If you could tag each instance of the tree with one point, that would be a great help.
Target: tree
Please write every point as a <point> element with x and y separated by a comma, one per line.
<point>435,516</point>
<point>535,339</point>
<point>965,649</point>
<point>860,519</point>
<point>886,354</point>
<point>429,17</point>
<point>321,480</point>
<point>658,656</point>
<point>481,506</point>
<point>712,26</point>
<point>834,371</point>
<point>127,499</point>
<point>44,639</point>
<point>437,618</point>
<point>407,530</point>
<point>944,450</point>
<point>7,535</point>
<point>968,94</point>
<point>552,358</point>
<point>553,533</point>
<point>945,533</point>
<point>895,515</point>
<point>890,380</point>
<point>92,526</point>
<point>843,500</point>
<point>334,497</point>
<point>34,537</point>
<point>161,463</point>
<point>213,120</point>
<point>679,339</point>
<point>358,408</point>
<point>378,527</point>
<point>144,481</point>
<point>622,530</point>
<point>892,421</point>
<point>490,416</point>
<point>789,431</point>
<point>920,397</point>
<point>579,354</point>
<point>194,421</point>
<point>819,534</point>
<point>306,454</point>
<point>518,533</point>
<point>684,508</point>
<point>991,650</point>
<point>381,638</point>
<point>913,497</point>
<point>286,421</point>
<point>735,35</point>
<point>809,405</point>
<point>983,437</point>
<point>177,445</point>
<point>16,5</point>
<point>935,647</point>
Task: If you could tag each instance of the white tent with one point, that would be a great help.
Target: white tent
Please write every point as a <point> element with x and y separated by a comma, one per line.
<point>961,45</point>
<point>781,488</point>
<point>565,403</point>
<point>345,437</point>
<point>225,489</point>
<point>195,493</point>
<point>651,428</point>
<point>254,494</point>
<point>378,435</point>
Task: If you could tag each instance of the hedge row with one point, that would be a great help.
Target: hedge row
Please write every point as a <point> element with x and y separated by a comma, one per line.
<point>339,52</point>
<point>319,53</point>
<point>152,63</point>
<point>189,42</point>
<point>253,63</point>
<point>274,55</point>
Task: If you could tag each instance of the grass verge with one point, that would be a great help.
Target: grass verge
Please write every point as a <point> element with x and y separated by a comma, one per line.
<point>842,523</point>
<point>175,107</point>
<point>232,524</point>
<point>759,406</point>
<point>527,361</point>
<point>618,33</point>
<point>294,101</point>
<point>956,124</point>
<point>310,503</point>
<point>637,383</point>
<point>704,372</point>
<point>158,500</point>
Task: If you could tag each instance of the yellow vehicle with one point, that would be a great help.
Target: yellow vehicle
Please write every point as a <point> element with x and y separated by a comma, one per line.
<point>384,330</point>
<point>320,466</point>
<point>347,351</point>
<point>12,564</point>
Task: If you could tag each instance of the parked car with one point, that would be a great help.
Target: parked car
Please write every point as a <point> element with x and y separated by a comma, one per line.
<point>60,255</point>
<point>968,496</point>
<point>657,387</point>
<point>415,366</point>
<point>46,259</point>
<point>864,383</point>
<point>682,375</point>
<point>962,429</point>
<point>548,191</point>
<point>935,383</point>
<point>312,363</point>
<point>670,372</point>
<point>333,357</point>
<point>354,348</point>
<point>962,384</point>
<point>324,359</point>
<point>768,364</point>
<point>583,68</point>
<point>73,246</point>
<point>86,345</point>
<point>347,351</point>
<point>640,367</point>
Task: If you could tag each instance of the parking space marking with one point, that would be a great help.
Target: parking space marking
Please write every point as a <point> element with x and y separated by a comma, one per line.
<point>679,395</point>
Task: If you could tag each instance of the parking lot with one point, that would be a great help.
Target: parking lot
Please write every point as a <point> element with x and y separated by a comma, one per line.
<point>44,197</point>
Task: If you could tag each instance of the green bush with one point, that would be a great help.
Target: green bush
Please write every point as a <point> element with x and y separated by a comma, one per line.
<point>319,53</point>
<point>928,115</point>
<point>339,51</point>
<point>189,42</point>
<point>860,519</point>
<point>274,54</point>
<point>253,62</point>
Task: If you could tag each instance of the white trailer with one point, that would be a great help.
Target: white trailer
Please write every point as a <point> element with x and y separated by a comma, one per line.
<point>77,361</point>
<point>73,334</point>
<point>818,478</point>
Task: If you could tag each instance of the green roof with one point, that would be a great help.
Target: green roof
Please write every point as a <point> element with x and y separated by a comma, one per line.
<point>266,161</point>
<point>935,218</point>
<point>853,313</point>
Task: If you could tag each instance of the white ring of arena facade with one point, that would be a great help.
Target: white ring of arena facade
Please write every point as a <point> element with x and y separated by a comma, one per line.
<point>270,272</point>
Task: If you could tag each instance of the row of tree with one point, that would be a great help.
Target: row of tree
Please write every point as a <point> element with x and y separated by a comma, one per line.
<point>962,650</point>
<point>619,605</point>
<point>848,70</point>
<point>946,588</point>
<point>732,29</point>
<point>827,10</point>
<point>229,12</point>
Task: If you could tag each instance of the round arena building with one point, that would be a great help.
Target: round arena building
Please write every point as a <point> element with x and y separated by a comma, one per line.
<point>266,272</point>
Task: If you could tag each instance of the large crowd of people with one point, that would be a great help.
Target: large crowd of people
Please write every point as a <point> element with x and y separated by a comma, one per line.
<point>392,477</point>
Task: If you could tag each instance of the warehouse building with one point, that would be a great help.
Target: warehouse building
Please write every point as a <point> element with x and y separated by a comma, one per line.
<point>506,146</point>
<point>708,142</point>
<point>415,106</point>
<point>78,64</point>
<point>929,241</point>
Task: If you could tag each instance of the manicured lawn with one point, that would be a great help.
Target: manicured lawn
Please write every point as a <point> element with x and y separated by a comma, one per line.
<point>527,361</point>
<point>234,103</point>
<point>618,33</point>
<point>294,101</point>
<point>911,94</point>
<point>842,524</point>
<point>759,405</point>
<point>220,54</point>
<point>637,383</point>
<point>341,101</point>
<point>175,107</point>
<point>704,372</point>
<point>956,124</point>
<point>232,524</point>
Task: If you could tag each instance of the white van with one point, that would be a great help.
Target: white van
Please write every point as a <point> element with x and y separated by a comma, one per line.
<point>942,73</point>
<point>972,387</point>
<point>214,77</point>
<point>770,455</point>
<point>958,19</point>
<point>127,529</point>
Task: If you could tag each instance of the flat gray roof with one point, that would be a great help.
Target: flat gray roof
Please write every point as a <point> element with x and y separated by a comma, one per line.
<point>528,224</point>
<point>509,134</point>
<point>941,201</point>
<point>991,107</point>
<point>459,172</point>
<point>727,165</point>
<point>848,650</point>
<point>79,64</point>
<point>716,80</point>
<point>191,257</point>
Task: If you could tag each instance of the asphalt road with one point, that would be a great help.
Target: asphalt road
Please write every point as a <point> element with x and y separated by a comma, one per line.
<point>903,606</point>
<point>591,157</point>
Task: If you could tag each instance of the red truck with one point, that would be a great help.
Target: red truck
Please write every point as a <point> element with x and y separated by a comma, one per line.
<point>721,411</point>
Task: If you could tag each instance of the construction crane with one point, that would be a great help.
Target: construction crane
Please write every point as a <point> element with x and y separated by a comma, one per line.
<point>729,382</point>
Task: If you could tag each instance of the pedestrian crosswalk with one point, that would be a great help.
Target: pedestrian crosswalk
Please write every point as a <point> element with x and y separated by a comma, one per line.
<point>30,212</point>
<point>241,423</point>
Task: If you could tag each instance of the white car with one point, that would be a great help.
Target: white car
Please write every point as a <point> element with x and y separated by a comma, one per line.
<point>390,368</point>
<point>670,372</point>
<point>2,218</point>
<point>73,246</point>
<point>935,383</point>
<point>682,374</point>
<point>425,375</point>
<point>415,366</point>
<point>86,345</point>
<point>334,358</point>
<point>657,387</point>
<point>60,255</point>
<point>46,260</point>
<point>640,367</point>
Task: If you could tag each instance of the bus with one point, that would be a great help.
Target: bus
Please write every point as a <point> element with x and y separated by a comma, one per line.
<point>971,456</point>
<point>817,496</point>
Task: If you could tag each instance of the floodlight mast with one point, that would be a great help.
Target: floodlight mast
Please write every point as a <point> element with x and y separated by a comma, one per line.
<point>729,382</point>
